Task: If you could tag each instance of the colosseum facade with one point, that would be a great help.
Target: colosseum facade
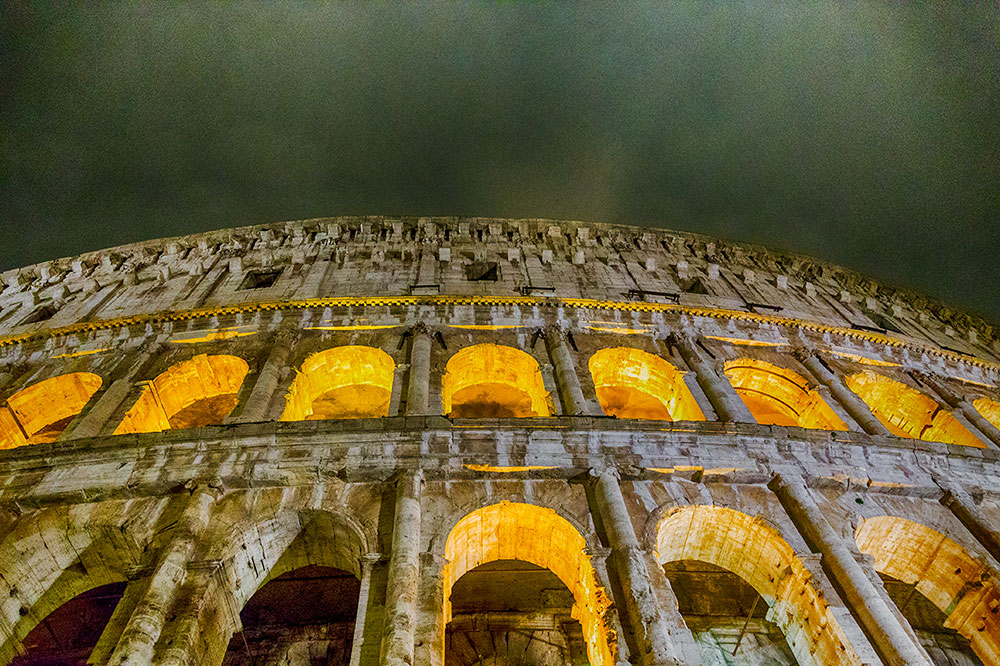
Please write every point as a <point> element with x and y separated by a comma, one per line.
<point>486,442</point>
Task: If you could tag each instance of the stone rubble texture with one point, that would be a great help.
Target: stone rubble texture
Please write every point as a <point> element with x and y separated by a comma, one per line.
<point>427,442</point>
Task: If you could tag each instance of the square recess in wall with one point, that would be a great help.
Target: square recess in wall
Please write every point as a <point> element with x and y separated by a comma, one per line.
<point>482,271</point>
<point>261,279</point>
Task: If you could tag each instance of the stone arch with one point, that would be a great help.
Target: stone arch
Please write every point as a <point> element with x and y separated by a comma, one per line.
<point>55,555</point>
<point>489,380</point>
<point>779,396</point>
<point>540,536</point>
<point>907,412</point>
<point>990,410</point>
<point>962,587</point>
<point>634,384</point>
<point>198,392</point>
<point>353,381</point>
<point>757,553</point>
<point>38,413</point>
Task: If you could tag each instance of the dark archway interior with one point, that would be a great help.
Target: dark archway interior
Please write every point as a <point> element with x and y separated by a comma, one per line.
<point>68,635</point>
<point>945,646</point>
<point>513,612</point>
<point>304,616</point>
<point>718,607</point>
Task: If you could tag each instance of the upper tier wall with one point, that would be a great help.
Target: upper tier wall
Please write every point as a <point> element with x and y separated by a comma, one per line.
<point>389,256</point>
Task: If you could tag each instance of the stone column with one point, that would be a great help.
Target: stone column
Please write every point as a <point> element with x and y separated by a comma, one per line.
<point>567,381</point>
<point>990,433</point>
<point>91,422</point>
<point>145,624</point>
<point>892,641</point>
<point>652,634</point>
<point>852,403</point>
<point>403,582</point>
<point>430,635</point>
<point>727,403</point>
<point>367,562</point>
<point>961,504</point>
<point>418,389</point>
<point>599,560</point>
<point>266,385</point>
<point>185,629</point>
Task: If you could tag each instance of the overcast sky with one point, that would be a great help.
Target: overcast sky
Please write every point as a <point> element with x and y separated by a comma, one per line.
<point>862,133</point>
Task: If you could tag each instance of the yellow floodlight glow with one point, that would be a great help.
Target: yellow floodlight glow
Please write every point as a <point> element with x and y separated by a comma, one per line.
<point>778,396</point>
<point>907,412</point>
<point>490,381</point>
<point>990,409</point>
<point>349,382</point>
<point>634,384</point>
<point>38,413</point>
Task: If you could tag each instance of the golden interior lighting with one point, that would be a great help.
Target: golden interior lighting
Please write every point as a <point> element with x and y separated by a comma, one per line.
<point>484,381</point>
<point>990,409</point>
<point>941,570</point>
<point>633,384</point>
<point>190,394</point>
<point>778,396</point>
<point>525,532</point>
<point>350,382</point>
<point>38,413</point>
<point>907,412</point>
<point>755,552</point>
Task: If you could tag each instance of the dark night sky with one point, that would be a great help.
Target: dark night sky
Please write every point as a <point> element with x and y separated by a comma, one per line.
<point>863,134</point>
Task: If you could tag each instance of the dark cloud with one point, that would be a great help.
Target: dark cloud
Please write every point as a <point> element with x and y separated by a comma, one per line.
<point>864,134</point>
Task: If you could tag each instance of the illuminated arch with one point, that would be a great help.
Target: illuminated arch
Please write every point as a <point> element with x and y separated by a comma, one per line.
<point>525,532</point>
<point>38,413</point>
<point>907,412</point>
<point>493,381</point>
<point>778,396</point>
<point>194,393</point>
<point>634,384</point>
<point>964,589</point>
<point>347,382</point>
<point>755,552</point>
<point>990,409</point>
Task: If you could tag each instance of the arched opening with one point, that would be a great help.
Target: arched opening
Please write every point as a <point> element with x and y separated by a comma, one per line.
<point>691,536</point>
<point>350,382</point>
<point>294,581</point>
<point>633,384</point>
<point>990,409</point>
<point>68,635</point>
<point>907,412</point>
<point>199,392</point>
<point>38,413</point>
<point>510,552</point>
<point>778,396</point>
<point>489,381</point>
<point>921,563</point>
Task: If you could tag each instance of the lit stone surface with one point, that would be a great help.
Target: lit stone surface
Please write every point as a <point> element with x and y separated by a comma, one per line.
<point>447,442</point>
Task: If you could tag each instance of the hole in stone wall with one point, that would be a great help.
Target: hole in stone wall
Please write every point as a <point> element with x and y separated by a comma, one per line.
<point>482,271</point>
<point>260,279</point>
<point>41,314</point>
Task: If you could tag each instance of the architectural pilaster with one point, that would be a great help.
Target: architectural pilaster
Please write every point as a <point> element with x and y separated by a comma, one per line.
<point>429,650</point>
<point>418,388</point>
<point>357,642</point>
<point>640,604</point>
<point>403,582</point>
<point>567,381</point>
<point>149,617</point>
<point>184,631</point>
<point>266,385</point>
<point>970,515</point>
<point>895,645</point>
<point>848,399</point>
<point>727,403</point>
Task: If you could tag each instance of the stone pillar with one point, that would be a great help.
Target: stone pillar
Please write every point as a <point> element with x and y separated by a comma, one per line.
<point>599,560</point>
<point>429,650</point>
<point>961,504</point>
<point>91,422</point>
<point>367,562</point>
<point>989,432</point>
<point>727,403</point>
<point>852,403</point>
<point>145,624</point>
<point>567,381</point>
<point>266,385</point>
<point>404,573</point>
<point>890,638</point>
<point>652,634</point>
<point>418,389</point>
<point>185,629</point>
